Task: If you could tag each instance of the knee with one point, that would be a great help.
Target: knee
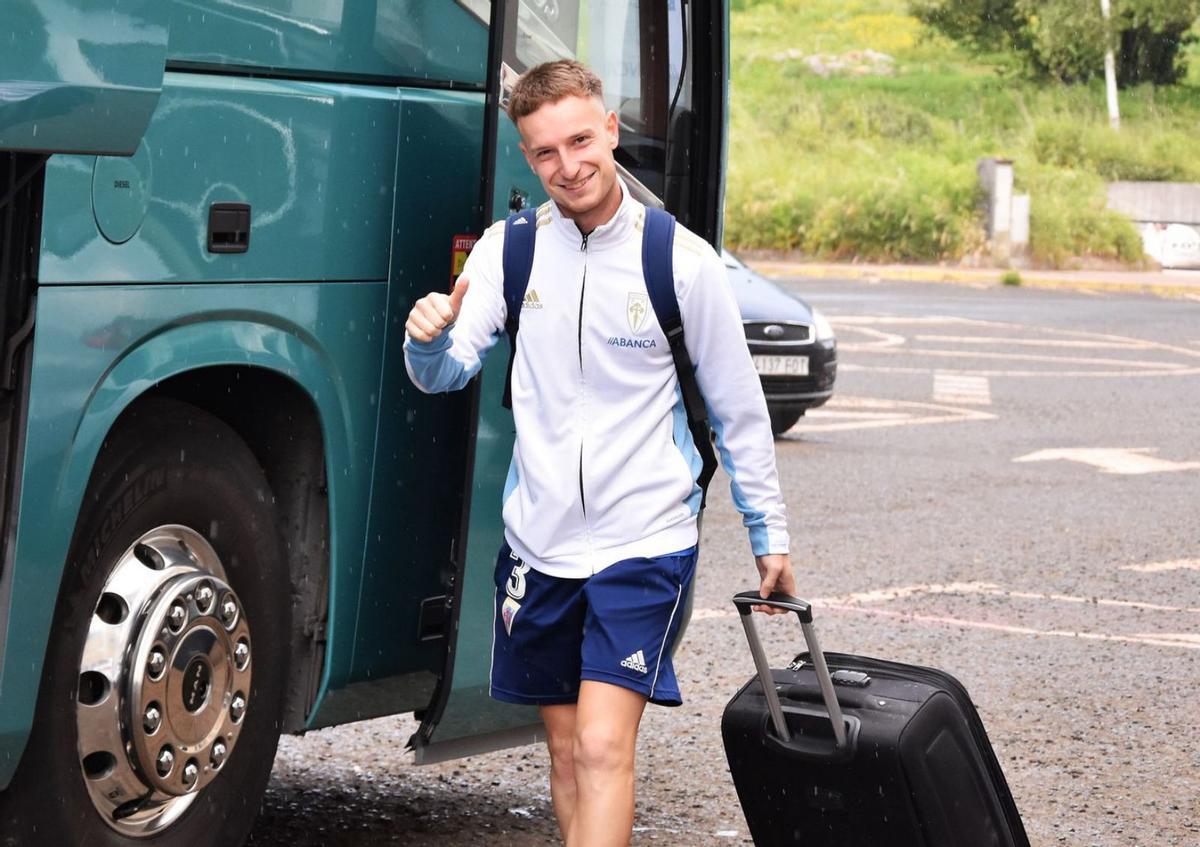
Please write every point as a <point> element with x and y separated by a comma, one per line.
<point>602,749</point>
<point>562,748</point>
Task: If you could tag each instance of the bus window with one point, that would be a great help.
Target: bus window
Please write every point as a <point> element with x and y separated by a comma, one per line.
<point>625,43</point>
<point>479,8</point>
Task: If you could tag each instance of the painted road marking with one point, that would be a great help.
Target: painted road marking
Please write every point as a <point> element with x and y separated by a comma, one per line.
<point>847,413</point>
<point>1159,567</point>
<point>1086,601</point>
<point>707,614</point>
<point>1112,460</point>
<point>956,388</point>
<point>1132,364</point>
<point>1151,639</point>
<point>864,602</point>
<point>882,336</point>
<point>878,339</point>
<point>1108,344</point>
<point>904,592</point>
<point>886,369</point>
<point>1009,329</point>
<point>1185,640</point>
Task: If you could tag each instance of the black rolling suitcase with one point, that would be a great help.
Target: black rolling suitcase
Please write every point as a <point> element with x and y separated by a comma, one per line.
<point>876,754</point>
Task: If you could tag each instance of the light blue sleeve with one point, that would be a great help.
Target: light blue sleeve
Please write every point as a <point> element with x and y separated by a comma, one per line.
<point>434,368</point>
<point>733,395</point>
<point>448,362</point>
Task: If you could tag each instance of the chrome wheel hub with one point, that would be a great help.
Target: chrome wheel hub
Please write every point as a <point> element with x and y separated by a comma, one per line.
<point>164,681</point>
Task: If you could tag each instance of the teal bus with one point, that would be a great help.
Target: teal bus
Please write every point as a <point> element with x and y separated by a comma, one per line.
<point>226,512</point>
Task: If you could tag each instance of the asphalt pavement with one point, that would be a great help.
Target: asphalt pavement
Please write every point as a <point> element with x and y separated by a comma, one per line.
<point>1006,486</point>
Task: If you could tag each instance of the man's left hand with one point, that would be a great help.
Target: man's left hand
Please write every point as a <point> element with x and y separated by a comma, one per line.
<point>776,572</point>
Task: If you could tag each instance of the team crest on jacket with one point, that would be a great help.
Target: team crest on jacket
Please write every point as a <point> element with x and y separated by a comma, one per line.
<point>636,310</point>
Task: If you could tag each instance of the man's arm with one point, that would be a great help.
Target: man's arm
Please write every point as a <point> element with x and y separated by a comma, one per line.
<point>737,412</point>
<point>447,335</point>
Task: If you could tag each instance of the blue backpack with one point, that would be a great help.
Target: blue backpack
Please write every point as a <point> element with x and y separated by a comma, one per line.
<point>658,238</point>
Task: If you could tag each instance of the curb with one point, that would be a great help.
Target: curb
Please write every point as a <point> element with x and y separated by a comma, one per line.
<point>967,276</point>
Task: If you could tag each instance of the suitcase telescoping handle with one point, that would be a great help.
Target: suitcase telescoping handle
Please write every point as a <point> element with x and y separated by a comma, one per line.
<point>745,601</point>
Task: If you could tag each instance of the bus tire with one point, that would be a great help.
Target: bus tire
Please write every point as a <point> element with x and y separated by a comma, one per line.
<point>170,634</point>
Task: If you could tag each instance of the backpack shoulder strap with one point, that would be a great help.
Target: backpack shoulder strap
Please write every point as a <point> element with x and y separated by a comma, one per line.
<point>520,230</point>
<point>658,240</point>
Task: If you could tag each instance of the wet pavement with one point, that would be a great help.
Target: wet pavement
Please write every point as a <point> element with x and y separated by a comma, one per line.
<point>1005,486</point>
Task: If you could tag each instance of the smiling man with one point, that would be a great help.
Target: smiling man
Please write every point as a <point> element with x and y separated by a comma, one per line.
<point>601,505</point>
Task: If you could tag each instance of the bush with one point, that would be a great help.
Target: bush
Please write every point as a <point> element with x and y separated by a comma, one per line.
<point>1069,217</point>
<point>1070,143</point>
<point>1066,39</point>
<point>894,207</point>
<point>883,167</point>
<point>982,25</point>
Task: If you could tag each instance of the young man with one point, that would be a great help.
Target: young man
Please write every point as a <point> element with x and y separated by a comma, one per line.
<point>601,503</point>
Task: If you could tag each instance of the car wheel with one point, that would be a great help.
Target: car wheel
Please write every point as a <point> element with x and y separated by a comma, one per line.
<point>783,419</point>
<point>158,714</point>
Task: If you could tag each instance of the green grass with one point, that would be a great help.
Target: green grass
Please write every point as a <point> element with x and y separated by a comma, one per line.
<point>883,167</point>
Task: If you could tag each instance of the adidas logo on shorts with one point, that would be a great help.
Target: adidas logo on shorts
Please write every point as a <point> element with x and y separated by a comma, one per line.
<point>636,662</point>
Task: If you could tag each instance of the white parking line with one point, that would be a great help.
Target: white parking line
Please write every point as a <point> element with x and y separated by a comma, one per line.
<point>1186,641</point>
<point>882,338</point>
<point>862,600</point>
<point>1010,329</point>
<point>1090,601</point>
<point>903,592</point>
<point>1125,461</point>
<point>1132,364</point>
<point>847,413</point>
<point>957,388</point>
<point>887,369</point>
<point>897,320</point>
<point>1182,639</point>
<point>1160,567</point>
<point>709,614</point>
<point>1109,344</point>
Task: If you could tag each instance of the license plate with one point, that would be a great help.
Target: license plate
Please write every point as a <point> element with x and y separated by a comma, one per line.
<point>781,365</point>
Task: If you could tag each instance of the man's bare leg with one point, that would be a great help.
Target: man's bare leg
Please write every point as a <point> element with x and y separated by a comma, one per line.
<point>560,738</point>
<point>606,725</point>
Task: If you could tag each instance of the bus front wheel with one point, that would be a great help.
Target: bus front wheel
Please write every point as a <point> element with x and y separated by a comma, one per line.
<point>158,714</point>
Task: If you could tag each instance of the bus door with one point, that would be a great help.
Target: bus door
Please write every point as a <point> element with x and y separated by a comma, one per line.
<point>663,64</point>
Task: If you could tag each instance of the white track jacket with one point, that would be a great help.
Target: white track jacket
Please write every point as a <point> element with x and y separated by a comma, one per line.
<point>604,466</point>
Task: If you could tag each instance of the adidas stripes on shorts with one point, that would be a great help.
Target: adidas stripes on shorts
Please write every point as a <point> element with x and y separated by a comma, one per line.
<point>616,626</point>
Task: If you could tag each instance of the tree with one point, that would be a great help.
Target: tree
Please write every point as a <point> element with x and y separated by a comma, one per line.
<point>1065,39</point>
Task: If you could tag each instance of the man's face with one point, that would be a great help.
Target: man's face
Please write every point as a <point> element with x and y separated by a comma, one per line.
<point>569,145</point>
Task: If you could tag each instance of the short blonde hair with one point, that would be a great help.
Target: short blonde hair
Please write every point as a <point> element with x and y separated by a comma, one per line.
<point>550,82</point>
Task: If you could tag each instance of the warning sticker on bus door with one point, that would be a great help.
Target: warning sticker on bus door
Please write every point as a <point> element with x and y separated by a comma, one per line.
<point>460,248</point>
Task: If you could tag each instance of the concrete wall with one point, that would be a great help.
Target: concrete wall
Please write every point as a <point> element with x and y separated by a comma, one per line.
<point>1157,202</point>
<point>1167,215</point>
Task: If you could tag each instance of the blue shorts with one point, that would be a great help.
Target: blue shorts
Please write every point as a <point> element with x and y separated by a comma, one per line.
<point>617,626</point>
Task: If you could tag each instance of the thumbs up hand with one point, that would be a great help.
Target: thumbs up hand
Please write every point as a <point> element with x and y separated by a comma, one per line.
<point>436,311</point>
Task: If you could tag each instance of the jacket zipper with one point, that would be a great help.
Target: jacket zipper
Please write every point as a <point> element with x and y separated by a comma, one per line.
<point>582,290</point>
<point>582,499</point>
